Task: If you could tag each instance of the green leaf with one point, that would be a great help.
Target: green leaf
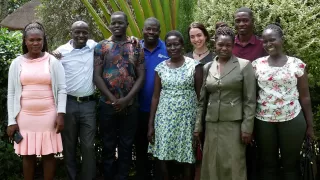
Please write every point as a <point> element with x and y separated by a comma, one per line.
<point>103,28</point>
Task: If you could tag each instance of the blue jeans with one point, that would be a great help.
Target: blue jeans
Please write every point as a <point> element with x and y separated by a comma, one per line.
<point>117,130</point>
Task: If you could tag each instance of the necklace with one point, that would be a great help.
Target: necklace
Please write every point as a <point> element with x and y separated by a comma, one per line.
<point>201,53</point>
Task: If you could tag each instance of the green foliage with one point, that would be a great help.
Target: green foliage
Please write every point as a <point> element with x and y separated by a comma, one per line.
<point>185,18</point>
<point>299,20</point>
<point>8,6</point>
<point>58,16</point>
<point>10,47</point>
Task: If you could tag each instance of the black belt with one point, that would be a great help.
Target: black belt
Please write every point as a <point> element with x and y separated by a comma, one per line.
<point>82,99</point>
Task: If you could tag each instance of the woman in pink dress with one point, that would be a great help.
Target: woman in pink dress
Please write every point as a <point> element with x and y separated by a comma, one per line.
<point>36,102</point>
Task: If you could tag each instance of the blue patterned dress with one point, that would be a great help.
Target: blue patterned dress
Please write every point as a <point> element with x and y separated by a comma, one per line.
<point>176,113</point>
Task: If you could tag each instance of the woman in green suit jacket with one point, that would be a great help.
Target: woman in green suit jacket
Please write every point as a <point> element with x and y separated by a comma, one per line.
<point>228,103</point>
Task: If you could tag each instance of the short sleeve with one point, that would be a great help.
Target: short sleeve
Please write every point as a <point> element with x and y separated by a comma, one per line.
<point>159,67</point>
<point>140,63</point>
<point>299,66</point>
<point>254,65</point>
<point>99,52</point>
<point>98,49</point>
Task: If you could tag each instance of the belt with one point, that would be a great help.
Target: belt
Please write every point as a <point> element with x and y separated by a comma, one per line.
<point>82,99</point>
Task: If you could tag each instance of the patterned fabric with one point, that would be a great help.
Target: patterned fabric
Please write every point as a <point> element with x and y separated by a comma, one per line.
<point>278,98</point>
<point>176,113</point>
<point>120,60</point>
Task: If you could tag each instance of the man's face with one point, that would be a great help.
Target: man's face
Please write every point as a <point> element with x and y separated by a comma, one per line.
<point>151,32</point>
<point>118,25</point>
<point>80,35</point>
<point>243,23</point>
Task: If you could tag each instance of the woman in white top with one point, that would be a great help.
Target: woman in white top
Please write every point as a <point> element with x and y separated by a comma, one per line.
<point>283,115</point>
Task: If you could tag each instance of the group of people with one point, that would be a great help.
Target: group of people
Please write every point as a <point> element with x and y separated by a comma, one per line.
<point>169,103</point>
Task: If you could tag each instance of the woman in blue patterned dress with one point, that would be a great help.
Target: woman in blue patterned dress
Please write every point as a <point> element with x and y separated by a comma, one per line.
<point>173,110</point>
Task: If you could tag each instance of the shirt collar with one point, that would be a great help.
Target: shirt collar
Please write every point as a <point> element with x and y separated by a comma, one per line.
<point>158,45</point>
<point>90,44</point>
<point>128,40</point>
<point>251,41</point>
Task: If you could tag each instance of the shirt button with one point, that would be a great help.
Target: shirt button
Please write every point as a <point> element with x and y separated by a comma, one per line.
<point>218,101</point>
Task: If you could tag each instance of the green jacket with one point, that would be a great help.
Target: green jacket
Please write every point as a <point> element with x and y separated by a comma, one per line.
<point>230,96</point>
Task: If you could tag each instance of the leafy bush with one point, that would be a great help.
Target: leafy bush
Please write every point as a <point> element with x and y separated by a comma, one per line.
<point>10,47</point>
<point>299,20</point>
<point>58,16</point>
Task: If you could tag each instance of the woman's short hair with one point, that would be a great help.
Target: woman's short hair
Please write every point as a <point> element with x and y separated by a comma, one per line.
<point>174,33</point>
<point>276,27</point>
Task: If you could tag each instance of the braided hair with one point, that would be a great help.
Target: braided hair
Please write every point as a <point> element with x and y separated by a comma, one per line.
<point>32,27</point>
<point>275,27</point>
<point>224,31</point>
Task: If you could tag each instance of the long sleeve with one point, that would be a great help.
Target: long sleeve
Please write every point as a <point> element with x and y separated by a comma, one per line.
<point>202,103</point>
<point>61,88</point>
<point>11,94</point>
<point>249,98</point>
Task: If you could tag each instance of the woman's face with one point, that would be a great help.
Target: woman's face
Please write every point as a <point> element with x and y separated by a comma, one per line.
<point>34,41</point>
<point>174,46</point>
<point>197,38</point>
<point>272,42</point>
<point>224,45</point>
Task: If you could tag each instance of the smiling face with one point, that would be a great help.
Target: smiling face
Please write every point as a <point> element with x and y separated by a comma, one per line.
<point>243,23</point>
<point>197,38</point>
<point>34,41</point>
<point>224,46</point>
<point>151,32</point>
<point>118,25</point>
<point>80,35</point>
<point>272,42</point>
<point>174,46</point>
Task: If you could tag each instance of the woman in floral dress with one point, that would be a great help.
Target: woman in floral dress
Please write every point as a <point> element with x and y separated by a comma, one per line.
<point>173,111</point>
<point>283,116</point>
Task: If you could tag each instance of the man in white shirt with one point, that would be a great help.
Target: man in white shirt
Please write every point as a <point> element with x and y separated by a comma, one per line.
<point>80,118</point>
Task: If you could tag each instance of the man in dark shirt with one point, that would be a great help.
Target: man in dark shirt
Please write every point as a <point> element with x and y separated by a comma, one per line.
<point>118,74</point>
<point>247,45</point>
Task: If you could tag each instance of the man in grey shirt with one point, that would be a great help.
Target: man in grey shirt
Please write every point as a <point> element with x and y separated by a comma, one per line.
<point>80,118</point>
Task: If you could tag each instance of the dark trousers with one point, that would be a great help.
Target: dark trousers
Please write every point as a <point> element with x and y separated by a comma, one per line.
<point>143,166</point>
<point>117,130</point>
<point>288,137</point>
<point>79,124</point>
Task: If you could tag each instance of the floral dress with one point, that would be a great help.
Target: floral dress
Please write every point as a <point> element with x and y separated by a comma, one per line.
<point>278,98</point>
<point>176,113</point>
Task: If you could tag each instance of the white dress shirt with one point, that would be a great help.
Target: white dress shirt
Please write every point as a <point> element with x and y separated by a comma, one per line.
<point>78,65</point>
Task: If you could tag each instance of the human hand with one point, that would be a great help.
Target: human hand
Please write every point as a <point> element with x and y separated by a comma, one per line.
<point>134,40</point>
<point>151,134</point>
<point>120,104</point>
<point>197,139</point>
<point>12,129</point>
<point>310,132</point>
<point>246,138</point>
<point>57,54</point>
<point>59,123</point>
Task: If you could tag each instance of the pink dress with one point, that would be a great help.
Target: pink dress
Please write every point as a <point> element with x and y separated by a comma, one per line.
<point>37,117</point>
